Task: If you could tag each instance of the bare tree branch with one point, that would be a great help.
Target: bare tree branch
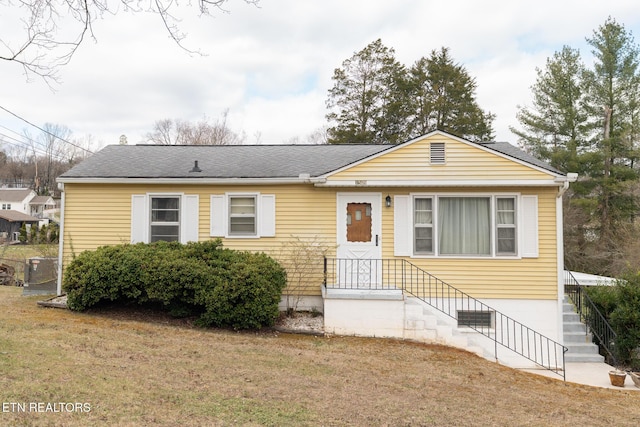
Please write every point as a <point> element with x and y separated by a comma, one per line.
<point>42,49</point>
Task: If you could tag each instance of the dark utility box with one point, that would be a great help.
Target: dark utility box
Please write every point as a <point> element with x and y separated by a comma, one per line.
<point>40,276</point>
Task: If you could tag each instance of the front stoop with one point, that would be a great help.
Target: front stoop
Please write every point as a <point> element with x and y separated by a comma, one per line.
<point>576,338</point>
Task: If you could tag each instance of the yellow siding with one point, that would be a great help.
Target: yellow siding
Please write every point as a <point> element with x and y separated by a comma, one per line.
<point>524,278</point>
<point>101,215</point>
<point>97,215</point>
<point>463,162</point>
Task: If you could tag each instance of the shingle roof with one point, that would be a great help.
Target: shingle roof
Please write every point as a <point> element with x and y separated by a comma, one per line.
<point>242,161</point>
<point>219,161</point>
<point>15,216</point>
<point>516,153</point>
<point>40,200</point>
<point>14,194</point>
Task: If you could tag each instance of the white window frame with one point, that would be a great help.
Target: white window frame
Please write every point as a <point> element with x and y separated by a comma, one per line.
<point>416,224</point>
<point>141,216</point>
<point>153,223</point>
<point>254,215</point>
<point>513,226</point>
<point>220,215</point>
<point>493,197</point>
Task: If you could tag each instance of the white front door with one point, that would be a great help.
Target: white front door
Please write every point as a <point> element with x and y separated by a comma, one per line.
<point>359,231</point>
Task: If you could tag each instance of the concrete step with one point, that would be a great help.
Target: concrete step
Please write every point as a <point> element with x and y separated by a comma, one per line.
<point>583,358</point>
<point>577,337</point>
<point>570,317</point>
<point>582,348</point>
<point>574,327</point>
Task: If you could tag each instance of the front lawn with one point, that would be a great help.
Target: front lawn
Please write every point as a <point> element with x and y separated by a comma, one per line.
<point>138,368</point>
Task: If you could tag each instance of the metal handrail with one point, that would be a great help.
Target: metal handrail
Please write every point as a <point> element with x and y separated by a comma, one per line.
<point>597,324</point>
<point>380,274</point>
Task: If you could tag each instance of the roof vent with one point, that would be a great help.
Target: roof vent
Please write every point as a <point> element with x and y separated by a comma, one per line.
<point>195,167</point>
<point>437,153</point>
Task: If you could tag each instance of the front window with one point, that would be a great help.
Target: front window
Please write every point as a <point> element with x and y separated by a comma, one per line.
<point>165,218</point>
<point>505,226</point>
<point>242,215</point>
<point>423,226</point>
<point>464,225</point>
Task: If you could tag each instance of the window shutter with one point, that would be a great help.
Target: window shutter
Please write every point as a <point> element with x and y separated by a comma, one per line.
<point>402,226</point>
<point>190,218</point>
<point>267,216</point>
<point>218,216</point>
<point>139,219</point>
<point>529,226</point>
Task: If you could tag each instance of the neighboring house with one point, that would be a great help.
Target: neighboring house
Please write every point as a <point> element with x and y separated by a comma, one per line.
<point>16,199</point>
<point>26,201</point>
<point>11,222</point>
<point>42,206</point>
<point>486,218</point>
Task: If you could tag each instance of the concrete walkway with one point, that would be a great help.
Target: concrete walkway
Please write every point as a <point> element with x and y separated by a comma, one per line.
<point>591,374</point>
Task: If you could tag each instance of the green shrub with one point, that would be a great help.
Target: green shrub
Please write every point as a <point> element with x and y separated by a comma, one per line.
<point>222,286</point>
<point>625,319</point>
<point>605,298</point>
<point>246,295</point>
<point>620,305</point>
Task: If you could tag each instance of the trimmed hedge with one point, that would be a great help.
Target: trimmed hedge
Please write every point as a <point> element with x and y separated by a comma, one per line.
<point>225,288</point>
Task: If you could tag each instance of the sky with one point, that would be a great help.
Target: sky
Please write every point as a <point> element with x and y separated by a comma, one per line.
<point>270,66</point>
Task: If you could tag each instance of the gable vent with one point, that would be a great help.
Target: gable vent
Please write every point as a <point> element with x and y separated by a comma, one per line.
<point>436,153</point>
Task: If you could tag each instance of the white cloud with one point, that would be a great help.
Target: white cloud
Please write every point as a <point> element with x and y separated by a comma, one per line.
<point>271,65</point>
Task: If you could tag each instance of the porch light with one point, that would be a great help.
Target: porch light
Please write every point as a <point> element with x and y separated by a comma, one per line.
<point>388,201</point>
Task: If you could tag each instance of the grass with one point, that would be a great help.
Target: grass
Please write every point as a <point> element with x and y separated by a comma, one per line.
<point>17,255</point>
<point>138,368</point>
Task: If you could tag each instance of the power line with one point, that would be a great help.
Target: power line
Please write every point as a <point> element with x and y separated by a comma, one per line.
<point>46,131</point>
<point>15,141</point>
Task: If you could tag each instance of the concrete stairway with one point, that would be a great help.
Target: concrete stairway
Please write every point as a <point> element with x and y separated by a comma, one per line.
<point>576,337</point>
<point>426,324</point>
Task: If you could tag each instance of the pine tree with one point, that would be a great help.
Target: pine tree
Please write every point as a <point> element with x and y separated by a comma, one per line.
<point>612,102</point>
<point>366,99</point>
<point>554,127</point>
<point>443,97</point>
<point>376,100</point>
<point>586,120</point>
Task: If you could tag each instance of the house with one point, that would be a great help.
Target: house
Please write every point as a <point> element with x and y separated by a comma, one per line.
<point>42,207</point>
<point>16,199</point>
<point>15,210</point>
<point>26,201</point>
<point>11,222</point>
<point>481,221</point>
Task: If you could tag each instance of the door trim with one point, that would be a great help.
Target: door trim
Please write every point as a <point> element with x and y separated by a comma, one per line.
<point>375,198</point>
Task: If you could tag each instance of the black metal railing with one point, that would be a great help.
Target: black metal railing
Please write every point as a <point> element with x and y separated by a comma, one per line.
<point>380,274</point>
<point>602,332</point>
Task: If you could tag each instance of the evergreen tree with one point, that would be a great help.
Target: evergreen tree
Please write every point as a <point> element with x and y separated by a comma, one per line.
<point>554,128</point>
<point>365,102</point>
<point>585,120</point>
<point>443,97</point>
<point>612,102</point>
<point>376,100</point>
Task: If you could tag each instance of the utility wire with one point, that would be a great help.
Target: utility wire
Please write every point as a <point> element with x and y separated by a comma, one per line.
<point>45,131</point>
<point>14,141</point>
